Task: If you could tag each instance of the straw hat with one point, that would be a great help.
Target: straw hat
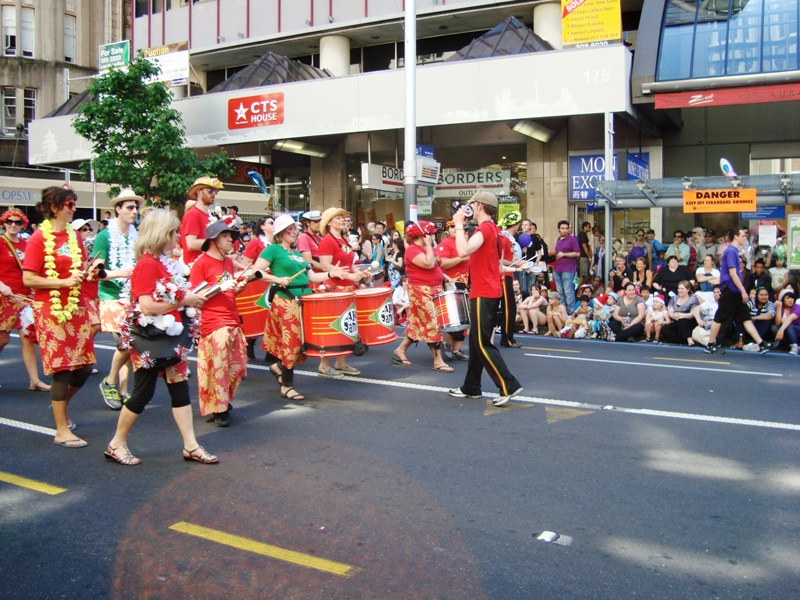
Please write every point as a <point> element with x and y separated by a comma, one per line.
<point>202,182</point>
<point>126,195</point>
<point>329,214</point>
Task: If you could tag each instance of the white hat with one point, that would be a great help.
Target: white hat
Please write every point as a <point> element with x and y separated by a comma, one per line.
<point>78,224</point>
<point>281,223</point>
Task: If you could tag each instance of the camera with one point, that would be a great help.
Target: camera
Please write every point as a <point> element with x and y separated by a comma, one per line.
<point>468,211</point>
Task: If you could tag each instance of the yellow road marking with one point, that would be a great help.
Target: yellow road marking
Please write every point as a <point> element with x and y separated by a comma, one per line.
<point>551,349</point>
<point>31,484</point>
<point>298,558</point>
<point>691,360</point>
<point>491,409</point>
<point>562,414</point>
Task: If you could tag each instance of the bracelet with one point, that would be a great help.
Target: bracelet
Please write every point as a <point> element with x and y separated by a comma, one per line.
<point>329,275</point>
<point>460,228</point>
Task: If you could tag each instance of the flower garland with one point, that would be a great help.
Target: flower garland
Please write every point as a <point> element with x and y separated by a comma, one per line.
<point>120,253</point>
<point>60,312</point>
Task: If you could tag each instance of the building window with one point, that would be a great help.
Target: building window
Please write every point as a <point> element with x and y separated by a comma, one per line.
<point>29,107</point>
<point>69,38</point>
<point>9,122</point>
<point>9,31</point>
<point>27,32</point>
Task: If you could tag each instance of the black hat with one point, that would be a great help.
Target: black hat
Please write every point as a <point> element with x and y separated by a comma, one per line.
<point>214,230</point>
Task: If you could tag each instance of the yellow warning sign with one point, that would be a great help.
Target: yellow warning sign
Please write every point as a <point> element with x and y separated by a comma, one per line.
<point>707,201</point>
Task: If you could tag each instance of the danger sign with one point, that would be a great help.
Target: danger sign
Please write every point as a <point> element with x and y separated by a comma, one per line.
<point>706,201</point>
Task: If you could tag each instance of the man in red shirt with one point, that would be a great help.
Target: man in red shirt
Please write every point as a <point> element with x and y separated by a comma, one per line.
<point>308,241</point>
<point>195,220</point>
<point>485,294</point>
<point>457,269</point>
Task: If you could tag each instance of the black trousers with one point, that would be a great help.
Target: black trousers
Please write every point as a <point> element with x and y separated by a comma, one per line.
<point>144,387</point>
<point>623,335</point>
<point>508,311</point>
<point>483,354</point>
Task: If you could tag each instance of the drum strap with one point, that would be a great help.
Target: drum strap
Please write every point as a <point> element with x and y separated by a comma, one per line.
<point>311,346</point>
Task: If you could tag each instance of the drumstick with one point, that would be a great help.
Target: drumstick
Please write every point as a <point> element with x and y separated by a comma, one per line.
<point>241,275</point>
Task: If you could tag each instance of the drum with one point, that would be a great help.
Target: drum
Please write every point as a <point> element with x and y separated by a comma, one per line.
<point>375,276</point>
<point>252,316</point>
<point>452,311</point>
<point>330,324</point>
<point>375,316</point>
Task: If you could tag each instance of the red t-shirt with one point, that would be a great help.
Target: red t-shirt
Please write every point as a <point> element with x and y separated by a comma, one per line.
<point>308,242</point>
<point>418,275</point>
<point>194,222</point>
<point>220,310</point>
<point>342,254</point>
<point>254,249</point>
<point>447,249</point>
<point>10,270</point>
<point>484,271</point>
<point>34,261</point>
<point>507,249</point>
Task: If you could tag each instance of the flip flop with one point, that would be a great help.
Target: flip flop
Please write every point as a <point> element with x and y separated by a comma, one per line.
<point>72,443</point>
<point>331,372</point>
<point>400,361</point>
<point>444,369</point>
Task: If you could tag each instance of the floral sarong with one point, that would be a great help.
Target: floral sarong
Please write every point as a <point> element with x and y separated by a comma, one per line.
<point>421,324</point>
<point>92,306</point>
<point>64,346</point>
<point>112,314</point>
<point>173,374</point>
<point>282,332</point>
<point>221,366</point>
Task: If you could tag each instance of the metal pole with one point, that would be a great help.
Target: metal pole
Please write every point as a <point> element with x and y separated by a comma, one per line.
<point>410,149</point>
<point>94,190</point>
<point>609,175</point>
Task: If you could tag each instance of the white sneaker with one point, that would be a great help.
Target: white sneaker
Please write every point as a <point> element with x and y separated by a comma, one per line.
<point>794,349</point>
<point>751,347</point>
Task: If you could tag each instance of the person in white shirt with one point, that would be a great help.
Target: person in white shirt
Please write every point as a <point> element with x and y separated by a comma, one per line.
<point>400,300</point>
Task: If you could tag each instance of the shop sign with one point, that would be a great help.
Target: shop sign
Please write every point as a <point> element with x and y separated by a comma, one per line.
<point>255,111</point>
<point>424,151</point>
<point>465,184</point>
<point>765,212</point>
<point>585,170</point>
<point>114,56</point>
<point>425,205</point>
<point>730,96</point>
<point>19,196</point>
<point>712,201</point>
<point>506,205</point>
<point>240,169</point>
<point>587,23</point>
<point>378,177</point>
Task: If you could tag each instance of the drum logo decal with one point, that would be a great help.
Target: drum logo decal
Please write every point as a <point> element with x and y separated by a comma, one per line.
<point>347,323</point>
<point>384,315</point>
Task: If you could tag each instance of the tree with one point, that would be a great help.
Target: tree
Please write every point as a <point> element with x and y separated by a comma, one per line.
<point>138,139</point>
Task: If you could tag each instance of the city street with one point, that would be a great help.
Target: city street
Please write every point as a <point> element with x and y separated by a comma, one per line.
<point>621,471</point>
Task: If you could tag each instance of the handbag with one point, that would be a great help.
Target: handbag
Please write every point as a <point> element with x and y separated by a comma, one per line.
<point>157,344</point>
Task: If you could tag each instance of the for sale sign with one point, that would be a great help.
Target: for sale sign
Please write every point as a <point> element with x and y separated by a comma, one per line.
<point>255,111</point>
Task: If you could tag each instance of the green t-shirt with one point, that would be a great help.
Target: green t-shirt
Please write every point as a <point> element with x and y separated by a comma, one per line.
<point>110,289</point>
<point>283,263</point>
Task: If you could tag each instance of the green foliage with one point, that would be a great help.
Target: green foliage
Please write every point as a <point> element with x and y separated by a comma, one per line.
<point>138,138</point>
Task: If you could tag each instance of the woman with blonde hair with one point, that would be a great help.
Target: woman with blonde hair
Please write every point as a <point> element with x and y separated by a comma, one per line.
<point>159,293</point>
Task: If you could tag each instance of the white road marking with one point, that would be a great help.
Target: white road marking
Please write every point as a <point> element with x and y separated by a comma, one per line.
<point>657,365</point>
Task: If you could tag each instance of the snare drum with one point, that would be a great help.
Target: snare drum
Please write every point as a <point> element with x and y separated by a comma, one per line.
<point>452,311</point>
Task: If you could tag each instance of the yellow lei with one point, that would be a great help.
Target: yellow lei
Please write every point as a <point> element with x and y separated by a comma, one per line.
<point>62,314</point>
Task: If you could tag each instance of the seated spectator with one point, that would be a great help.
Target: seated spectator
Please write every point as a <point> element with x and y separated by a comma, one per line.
<point>655,318</point>
<point>760,278</point>
<point>704,315</point>
<point>531,311</point>
<point>400,301</point>
<point>543,279</point>
<point>762,313</point>
<point>667,279</point>
<point>787,326</point>
<point>577,324</point>
<point>679,330</point>
<point>779,275</point>
<point>641,274</point>
<point>646,295</point>
<point>556,315</point>
<point>597,286</point>
<point>707,276</point>
<point>619,275</point>
<point>627,320</point>
<point>659,261</point>
<point>602,309</point>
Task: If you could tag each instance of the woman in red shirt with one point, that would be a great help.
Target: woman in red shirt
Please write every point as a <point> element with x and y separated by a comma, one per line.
<point>425,279</point>
<point>54,268</point>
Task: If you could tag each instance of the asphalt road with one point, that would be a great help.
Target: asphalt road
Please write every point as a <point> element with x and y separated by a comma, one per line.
<point>660,472</point>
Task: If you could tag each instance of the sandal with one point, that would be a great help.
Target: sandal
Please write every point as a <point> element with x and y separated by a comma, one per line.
<point>127,458</point>
<point>295,396</point>
<point>200,455</point>
<point>278,376</point>
<point>444,369</point>
<point>331,372</point>
<point>39,386</point>
<point>348,370</point>
<point>400,360</point>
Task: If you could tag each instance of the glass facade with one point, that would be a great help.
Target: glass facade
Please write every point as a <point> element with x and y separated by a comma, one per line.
<point>717,38</point>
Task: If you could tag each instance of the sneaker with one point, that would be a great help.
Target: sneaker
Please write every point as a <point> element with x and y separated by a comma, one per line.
<point>124,398</point>
<point>794,349</point>
<point>751,347</point>
<point>459,355</point>
<point>222,419</point>
<point>447,352</point>
<point>714,348</point>
<point>457,393</point>
<point>500,400</point>
<point>765,347</point>
<point>110,395</point>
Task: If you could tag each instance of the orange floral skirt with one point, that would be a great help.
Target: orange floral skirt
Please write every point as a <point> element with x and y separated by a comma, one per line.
<point>112,314</point>
<point>421,325</point>
<point>221,366</point>
<point>282,333</point>
<point>63,346</point>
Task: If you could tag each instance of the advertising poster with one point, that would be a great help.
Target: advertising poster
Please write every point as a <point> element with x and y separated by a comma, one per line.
<point>793,241</point>
<point>586,23</point>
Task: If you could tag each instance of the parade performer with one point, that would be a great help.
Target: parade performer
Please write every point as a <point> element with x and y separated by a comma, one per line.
<point>457,269</point>
<point>15,296</point>
<point>54,266</point>
<point>511,254</point>
<point>335,251</point>
<point>196,219</point>
<point>424,282</point>
<point>282,333</point>
<point>222,350</point>
<point>114,247</point>
<point>87,230</point>
<point>485,293</point>
<point>308,240</point>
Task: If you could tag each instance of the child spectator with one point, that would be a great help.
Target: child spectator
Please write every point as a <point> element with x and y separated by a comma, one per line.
<point>556,314</point>
<point>603,306</point>
<point>779,275</point>
<point>577,325</point>
<point>655,318</point>
<point>704,314</point>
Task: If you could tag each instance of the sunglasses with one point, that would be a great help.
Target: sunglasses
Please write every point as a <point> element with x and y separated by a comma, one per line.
<point>678,237</point>
<point>86,229</point>
<point>69,205</point>
<point>13,222</point>
<point>212,190</point>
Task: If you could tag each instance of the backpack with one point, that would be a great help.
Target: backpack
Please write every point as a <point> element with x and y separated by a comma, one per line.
<point>546,257</point>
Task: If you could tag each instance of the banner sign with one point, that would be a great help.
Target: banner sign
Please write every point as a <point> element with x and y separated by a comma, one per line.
<point>173,60</point>
<point>730,96</point>
<point>584,170</point>
<point>711,201</point>
<point>378,177</point>
<point>115,55</point>
<point>506,205</point>
<point>463,184</point>
<point>586,23</point>
<point>771,213</point>
<point>255,111</point>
